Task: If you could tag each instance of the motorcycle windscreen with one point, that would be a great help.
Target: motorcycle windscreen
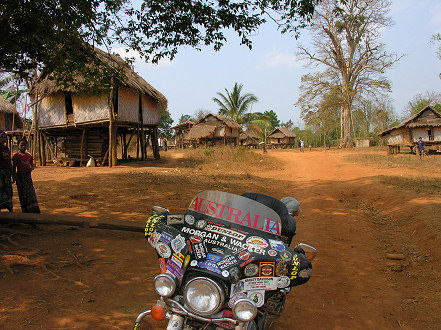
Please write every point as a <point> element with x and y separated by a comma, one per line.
<point>237,209</point>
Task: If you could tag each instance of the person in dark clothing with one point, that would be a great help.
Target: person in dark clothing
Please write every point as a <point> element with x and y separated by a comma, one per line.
<point>5,174</point>
<point>23,166</point>
<point>420,147</point>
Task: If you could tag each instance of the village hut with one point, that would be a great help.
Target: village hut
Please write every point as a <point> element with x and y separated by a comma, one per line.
<point>89,124</point>
<point>362,142</point>
<point>282,137</point>
<point>249,139</point>
<point>9,119</point>
<point>180,131</point>
<point>214,129</point>
<point>425,124</point>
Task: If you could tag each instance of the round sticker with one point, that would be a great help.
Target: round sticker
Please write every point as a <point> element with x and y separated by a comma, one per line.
<point>257,242</point>
<point>193,263</point>
<point>272,253</point>
<point>235,298</point>
<point>225,273</point>
<point>195,239</point>
<point>201,224</point>
<point>283,282</point>
<point>189,219</point>
<point>244,255</point>
<point>163,250</point>
<point>251,270</point>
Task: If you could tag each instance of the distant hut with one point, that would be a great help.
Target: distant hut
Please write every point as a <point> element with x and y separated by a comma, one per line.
<point>425,124</point>
<point>90,124</point>
<point>282,137</point>
<point>214,129</point>
<point>249,139</point>
<point>362,142</point>
<point>180,131</point>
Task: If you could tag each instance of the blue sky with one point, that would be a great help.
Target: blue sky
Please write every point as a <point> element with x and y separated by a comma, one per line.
<point>271,71</point>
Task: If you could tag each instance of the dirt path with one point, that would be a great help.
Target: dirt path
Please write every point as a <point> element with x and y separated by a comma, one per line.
<point>102,279</point>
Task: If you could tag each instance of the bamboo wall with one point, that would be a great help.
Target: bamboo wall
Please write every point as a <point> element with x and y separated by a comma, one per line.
<point>90,108</point>
<point>128,105</point>
<point>150,111</point>
<point>52,111</point>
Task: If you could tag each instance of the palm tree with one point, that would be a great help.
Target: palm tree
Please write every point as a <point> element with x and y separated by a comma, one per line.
<point>234,105</point>
<point>261,125</point>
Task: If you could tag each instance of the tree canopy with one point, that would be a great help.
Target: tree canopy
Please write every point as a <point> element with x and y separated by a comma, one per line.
<point>51,34</point>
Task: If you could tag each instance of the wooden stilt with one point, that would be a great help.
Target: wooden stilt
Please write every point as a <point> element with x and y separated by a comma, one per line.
<point>113,103</point>
<point>155,147</point>
<point>43,149</point>
<point>82,147</point>
<point>137,144</point>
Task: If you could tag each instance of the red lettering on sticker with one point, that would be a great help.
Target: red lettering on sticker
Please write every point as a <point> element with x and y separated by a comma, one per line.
<point>248,219</point>
<point>212,208</point>
<point>236,215</point>
<point>196,204</point>
<point>189,246</point>
<point>162,267</point>
<point>222,210</point>
<point>256,219</point>
<point>275,225</point>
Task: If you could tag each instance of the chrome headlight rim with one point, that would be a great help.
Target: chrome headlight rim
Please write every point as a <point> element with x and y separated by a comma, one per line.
<point>172,283</point>
<point>253,312</point>
<point>219,289</point>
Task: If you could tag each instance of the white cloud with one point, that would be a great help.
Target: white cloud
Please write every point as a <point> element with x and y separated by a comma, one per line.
<point>276,58</point>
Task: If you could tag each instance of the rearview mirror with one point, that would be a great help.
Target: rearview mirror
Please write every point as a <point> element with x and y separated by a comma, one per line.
<point>310,251</point>
<point>160,210</point>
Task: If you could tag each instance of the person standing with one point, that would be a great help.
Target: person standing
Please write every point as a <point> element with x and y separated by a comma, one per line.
<point>302,145</point>
<point>420,147</point>
<point>5,174</point>
<point>23,165</point>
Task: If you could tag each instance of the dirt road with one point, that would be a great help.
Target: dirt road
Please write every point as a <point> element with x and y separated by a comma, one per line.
<point>102,279</point>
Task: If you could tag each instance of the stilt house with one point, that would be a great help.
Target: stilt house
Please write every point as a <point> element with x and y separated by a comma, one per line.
<point>214,129</point>
<point>425,124</point>
<point>248,139</point>
<point>282,137</point>
<point>180,131</point>
<point>90,124</point>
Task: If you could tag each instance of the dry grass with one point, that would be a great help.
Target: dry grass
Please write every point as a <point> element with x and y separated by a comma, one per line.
<point>229,159</point>
<point>419,185</point>
<point>432,162</point>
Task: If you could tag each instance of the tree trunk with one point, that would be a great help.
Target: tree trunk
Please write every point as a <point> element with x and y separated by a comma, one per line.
<point>347,140</point>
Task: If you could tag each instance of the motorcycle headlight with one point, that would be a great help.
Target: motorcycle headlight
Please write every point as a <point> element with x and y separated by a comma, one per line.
<point>203,296</point>
<point>244,310</point>
<point>165,285</point>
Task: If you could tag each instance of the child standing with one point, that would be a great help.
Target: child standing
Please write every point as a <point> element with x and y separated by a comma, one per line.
<point>23,165</point>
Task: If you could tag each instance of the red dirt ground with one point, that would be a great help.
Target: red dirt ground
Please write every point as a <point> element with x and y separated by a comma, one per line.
<point>58,277</point>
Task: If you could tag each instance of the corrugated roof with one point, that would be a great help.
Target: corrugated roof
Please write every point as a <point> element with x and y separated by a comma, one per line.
<point>417,120</point>
<point>129,79</point>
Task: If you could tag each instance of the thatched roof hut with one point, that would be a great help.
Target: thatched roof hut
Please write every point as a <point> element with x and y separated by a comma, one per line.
<point>282,136</point>
<point>214,129</point>
<point>425,124</point>
<point>89,123</point>
<point>248,138</point>
<point>6,115</point>
<point>180,131</point>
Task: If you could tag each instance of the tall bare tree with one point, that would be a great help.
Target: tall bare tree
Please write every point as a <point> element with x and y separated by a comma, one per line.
<point>346,41</point>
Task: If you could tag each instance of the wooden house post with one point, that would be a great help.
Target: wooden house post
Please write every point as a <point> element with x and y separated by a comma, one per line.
<point>154,138</point>
<point>112,128</point>
<point>82,147</point>
<point>141,127</point>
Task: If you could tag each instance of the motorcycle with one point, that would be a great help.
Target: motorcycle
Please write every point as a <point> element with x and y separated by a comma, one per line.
<point>226,262</point>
